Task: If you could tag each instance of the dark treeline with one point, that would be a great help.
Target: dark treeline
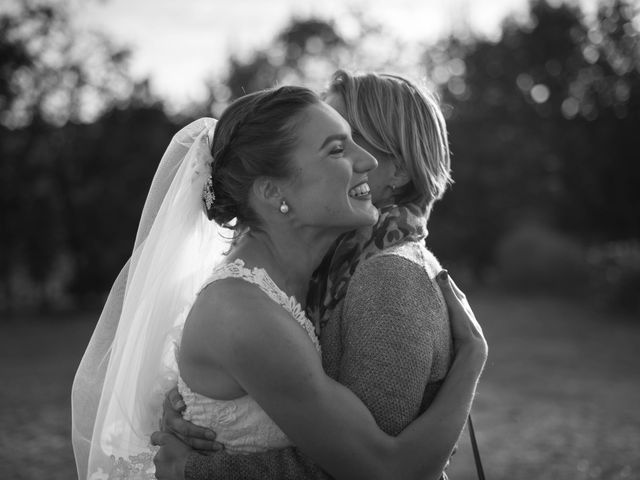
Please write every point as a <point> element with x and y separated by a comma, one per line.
<point>544,128</point>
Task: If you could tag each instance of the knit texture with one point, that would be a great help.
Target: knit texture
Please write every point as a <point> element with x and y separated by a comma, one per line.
<point>388,340</point>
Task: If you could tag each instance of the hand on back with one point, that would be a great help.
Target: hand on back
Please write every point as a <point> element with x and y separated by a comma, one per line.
<point>198,438</point>
<point>178,438</point>
<point>467,333</point>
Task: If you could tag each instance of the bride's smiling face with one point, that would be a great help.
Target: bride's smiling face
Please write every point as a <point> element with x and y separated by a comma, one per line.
<point>329,187</point>
<point>381,177</point>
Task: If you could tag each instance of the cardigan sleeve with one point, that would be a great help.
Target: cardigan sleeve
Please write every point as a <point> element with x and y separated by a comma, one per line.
<point>283,464</point>
<point>392,322</point>
<point>386,361</point>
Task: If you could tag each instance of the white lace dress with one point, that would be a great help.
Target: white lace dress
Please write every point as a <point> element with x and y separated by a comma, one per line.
<point>241,424</point>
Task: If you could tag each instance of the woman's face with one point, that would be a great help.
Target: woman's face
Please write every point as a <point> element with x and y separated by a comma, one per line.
<point>330,182</point>
<point>380,178</point>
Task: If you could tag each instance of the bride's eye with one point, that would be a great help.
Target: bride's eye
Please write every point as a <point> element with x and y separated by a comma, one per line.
<point>338,149</point>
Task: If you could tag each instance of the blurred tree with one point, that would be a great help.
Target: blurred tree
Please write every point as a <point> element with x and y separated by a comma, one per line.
<point>58,174</point>
<point>306,52</point>
<point>107,169</point>
<point>601,114</point>
<point>51,71</point>
<point>541,126</point>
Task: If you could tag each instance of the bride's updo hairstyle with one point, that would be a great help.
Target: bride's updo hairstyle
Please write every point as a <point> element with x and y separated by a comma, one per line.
<point>253,138</point>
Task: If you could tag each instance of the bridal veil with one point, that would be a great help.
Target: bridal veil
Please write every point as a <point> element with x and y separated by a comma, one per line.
<point>130,361</point>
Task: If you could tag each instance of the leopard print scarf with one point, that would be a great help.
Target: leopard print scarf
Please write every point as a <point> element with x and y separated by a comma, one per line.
<point>396,224</point>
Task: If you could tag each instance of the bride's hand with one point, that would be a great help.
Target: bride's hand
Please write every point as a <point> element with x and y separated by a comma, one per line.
<point>199,438</point>
<point>467,332</point>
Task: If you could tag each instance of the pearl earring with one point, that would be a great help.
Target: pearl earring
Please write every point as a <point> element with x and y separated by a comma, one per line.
<point>284,208</point>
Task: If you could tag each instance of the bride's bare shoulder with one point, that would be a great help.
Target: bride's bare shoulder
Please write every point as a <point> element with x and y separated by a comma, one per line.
<point>231,321</point>
<point>229,307</point>
<point>221,322</point>
<point>229,297</point>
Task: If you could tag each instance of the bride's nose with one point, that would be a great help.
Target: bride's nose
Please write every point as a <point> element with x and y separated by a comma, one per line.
<point>363,160</point>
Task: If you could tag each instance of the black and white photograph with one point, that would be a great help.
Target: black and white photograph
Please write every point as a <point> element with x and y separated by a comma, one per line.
<point>302,239</point>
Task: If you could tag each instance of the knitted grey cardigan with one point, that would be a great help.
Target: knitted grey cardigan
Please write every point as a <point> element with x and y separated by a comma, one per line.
<point>388,340</point>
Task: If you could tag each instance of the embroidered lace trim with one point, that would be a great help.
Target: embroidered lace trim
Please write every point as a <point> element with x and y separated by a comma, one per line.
<point>140,466</point>
<point>259,277</point>
<point>137,467</point>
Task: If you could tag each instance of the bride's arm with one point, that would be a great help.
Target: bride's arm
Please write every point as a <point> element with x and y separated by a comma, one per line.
<point>274,361</point>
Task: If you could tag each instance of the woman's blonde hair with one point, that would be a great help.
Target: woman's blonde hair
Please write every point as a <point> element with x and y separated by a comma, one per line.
<point>404,121</point>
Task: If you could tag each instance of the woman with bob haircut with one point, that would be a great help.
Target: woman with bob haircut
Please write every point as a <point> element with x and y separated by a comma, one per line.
<point>376,300</point>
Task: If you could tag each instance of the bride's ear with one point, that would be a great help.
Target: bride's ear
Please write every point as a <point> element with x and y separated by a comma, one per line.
<point>268,192</point>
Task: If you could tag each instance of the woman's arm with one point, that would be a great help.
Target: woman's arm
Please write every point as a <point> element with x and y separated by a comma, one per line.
<point>274,362</point>
<point>178,459</point>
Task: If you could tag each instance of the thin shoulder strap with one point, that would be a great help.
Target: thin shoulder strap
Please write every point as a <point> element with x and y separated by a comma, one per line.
<point>260,278</point>
<point>255,276</point>
<point>476,452</point>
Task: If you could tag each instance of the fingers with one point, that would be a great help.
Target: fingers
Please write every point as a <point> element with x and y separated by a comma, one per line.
<point>174,400</point>
<point>169,417</point>
<point>464,324</point>
<point>459,309</point>
<point>217,447</point>
<point>459,293</point>
<point>159,438</point>
<point>443,280</point>
<point>446,282</point>
<point>203,445</point>
<point>171,409</point>
<point>189,431</point>
<point>196,437</point>
<point>450,290</point>
<point>446,286</point>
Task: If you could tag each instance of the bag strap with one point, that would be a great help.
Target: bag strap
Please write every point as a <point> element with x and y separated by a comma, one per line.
<point>476,452</point>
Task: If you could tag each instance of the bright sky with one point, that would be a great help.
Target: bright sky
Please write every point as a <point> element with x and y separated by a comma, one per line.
<point>179,43</point>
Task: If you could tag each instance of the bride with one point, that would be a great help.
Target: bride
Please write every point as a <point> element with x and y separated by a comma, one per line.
<point>284,173</point>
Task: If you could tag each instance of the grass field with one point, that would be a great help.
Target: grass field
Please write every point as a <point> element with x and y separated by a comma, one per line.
<point>559,398</point>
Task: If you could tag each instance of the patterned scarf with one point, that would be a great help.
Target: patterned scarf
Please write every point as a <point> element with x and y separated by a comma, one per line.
<point>396,224</point>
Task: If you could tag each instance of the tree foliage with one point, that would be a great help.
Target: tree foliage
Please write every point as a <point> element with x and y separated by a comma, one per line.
<point>306,52</point>
<point>543,127</point>
<point>71,191</point>
<point>49,71</point>
<point>541,121</point>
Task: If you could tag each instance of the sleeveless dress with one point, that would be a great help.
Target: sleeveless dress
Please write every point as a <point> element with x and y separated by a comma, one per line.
<point>241,425</point>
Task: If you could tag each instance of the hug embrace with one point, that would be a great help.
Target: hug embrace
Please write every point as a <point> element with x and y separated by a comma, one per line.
<point>281,316</point>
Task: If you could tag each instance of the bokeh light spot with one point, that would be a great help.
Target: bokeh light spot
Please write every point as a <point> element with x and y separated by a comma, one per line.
<point>540,93</point>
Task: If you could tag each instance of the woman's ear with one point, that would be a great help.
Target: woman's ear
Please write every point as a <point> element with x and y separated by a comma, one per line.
<point>400,177</point>
<point>268,191</point>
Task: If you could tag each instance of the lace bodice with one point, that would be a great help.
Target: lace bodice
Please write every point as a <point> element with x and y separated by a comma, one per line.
<point>241,424</point>
<point>260,277</point>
